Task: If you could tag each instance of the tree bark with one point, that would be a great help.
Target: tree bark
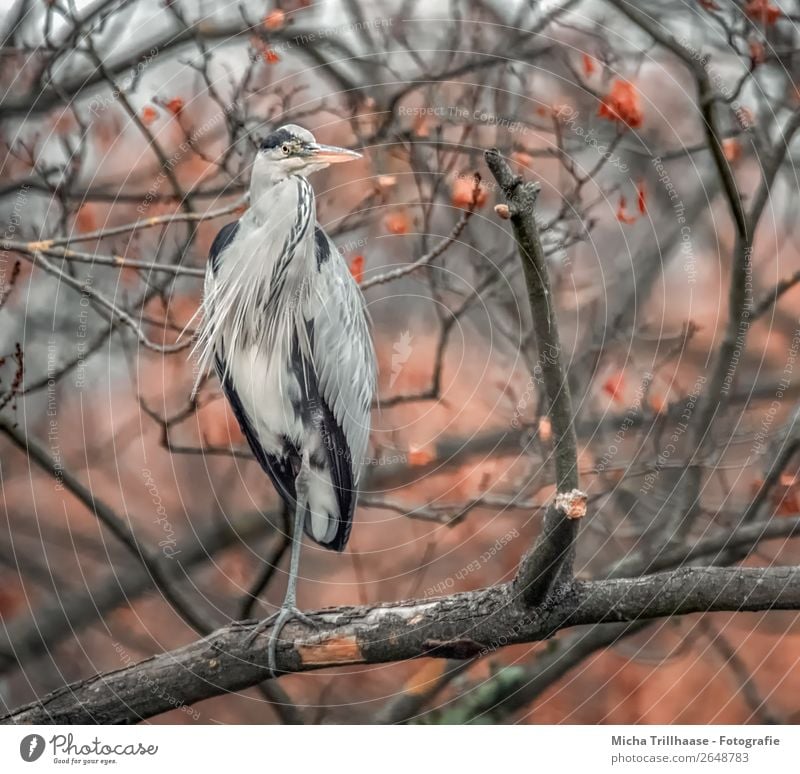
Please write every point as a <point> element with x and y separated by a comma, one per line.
<point>460,626</point>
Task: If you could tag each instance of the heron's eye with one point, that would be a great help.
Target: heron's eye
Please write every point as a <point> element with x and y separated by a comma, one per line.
<point>285,149</point>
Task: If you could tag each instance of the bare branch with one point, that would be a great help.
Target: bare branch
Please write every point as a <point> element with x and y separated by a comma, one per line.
<point>552,554</point>
<point>460,626</point>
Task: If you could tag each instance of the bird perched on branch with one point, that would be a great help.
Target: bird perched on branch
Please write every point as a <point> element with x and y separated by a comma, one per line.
<point>285,328</point>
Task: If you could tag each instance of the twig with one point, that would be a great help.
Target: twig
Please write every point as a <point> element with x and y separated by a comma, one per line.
<point>138,225</point>
<point>747,686</point>
<point>107,516</point>
<point>33,634</point>
<point>48,247</point>
<point>432,255</point>
<point>120,314</point>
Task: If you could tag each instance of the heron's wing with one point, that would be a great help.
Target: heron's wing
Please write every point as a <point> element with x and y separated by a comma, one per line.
<point>335,452</point>
<point>344,364</point>
<point>222,240</point>
<point>225,236</point>
<point>278,469</point>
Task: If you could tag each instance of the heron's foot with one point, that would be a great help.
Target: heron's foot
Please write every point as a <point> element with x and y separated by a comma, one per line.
<point>277,621</point>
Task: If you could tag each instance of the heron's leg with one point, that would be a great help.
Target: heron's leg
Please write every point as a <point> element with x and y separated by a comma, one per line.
<point>289,609</point>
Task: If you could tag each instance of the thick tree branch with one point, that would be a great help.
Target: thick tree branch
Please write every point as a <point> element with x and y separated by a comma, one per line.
<point>459,626</point>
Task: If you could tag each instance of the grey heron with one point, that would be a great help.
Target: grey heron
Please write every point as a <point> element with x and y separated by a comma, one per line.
<point>285,328</point>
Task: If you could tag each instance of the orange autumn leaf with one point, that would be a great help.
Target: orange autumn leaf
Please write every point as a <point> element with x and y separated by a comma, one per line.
<point>622,215</point>
<point>357,268</point>
<point>422,126</point>
<point>784,496</point>
<point>762,11</point>
<point>732,150</point>
<point>275,19</point>
<point>463,191</point>
<point>175,105</point>
<point>419,456</point>
<point>149,114</point>
<point>545,429</point>
<point>641,198</point>
<point>614,385</point>
<point>397,223</point>
<point>622,104</point>
<point>588,65</point>
<point>270,57</point>
<point>85,220</point>
<point>787,504</point>
<point>522,158</point>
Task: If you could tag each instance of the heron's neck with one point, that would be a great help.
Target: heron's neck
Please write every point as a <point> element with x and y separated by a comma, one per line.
<point>261,188</point>
<point>263,193</point>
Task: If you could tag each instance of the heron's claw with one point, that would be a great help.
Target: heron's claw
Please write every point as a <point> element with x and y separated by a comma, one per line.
<point>277,621</point>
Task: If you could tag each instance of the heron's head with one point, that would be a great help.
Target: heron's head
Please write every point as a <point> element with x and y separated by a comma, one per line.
<point>292,150</point>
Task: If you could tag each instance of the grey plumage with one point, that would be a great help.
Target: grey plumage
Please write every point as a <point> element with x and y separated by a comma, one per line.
<point>285,328</point>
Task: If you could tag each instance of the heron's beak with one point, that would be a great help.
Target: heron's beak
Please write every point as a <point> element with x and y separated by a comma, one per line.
<point>330,154</point>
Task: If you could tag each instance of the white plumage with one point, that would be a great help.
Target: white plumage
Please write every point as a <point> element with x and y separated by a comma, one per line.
<point>285,328</point>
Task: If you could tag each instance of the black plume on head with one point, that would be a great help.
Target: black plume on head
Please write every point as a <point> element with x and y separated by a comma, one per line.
<point>276,138</point>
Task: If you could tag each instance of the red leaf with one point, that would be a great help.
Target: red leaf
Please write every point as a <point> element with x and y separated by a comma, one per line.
<point>732,150</point>
<point>419,456</point>
<point>622,215</point>
<point>396,223</point>
<point>622,104</point>
<point>523,159</point>
<point>175,105</point>
<point>545,429</point>
<point>357,268</point>
<point>85,220</point>
<point>275,19</point>
<point>614,386</point>
<point>463,190</point>
<point>270,57</point>
<point>784,496</point>
<point>149,114</point>
<point>762,11</point>
<point>641,198</point>
<point>588,65</point>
